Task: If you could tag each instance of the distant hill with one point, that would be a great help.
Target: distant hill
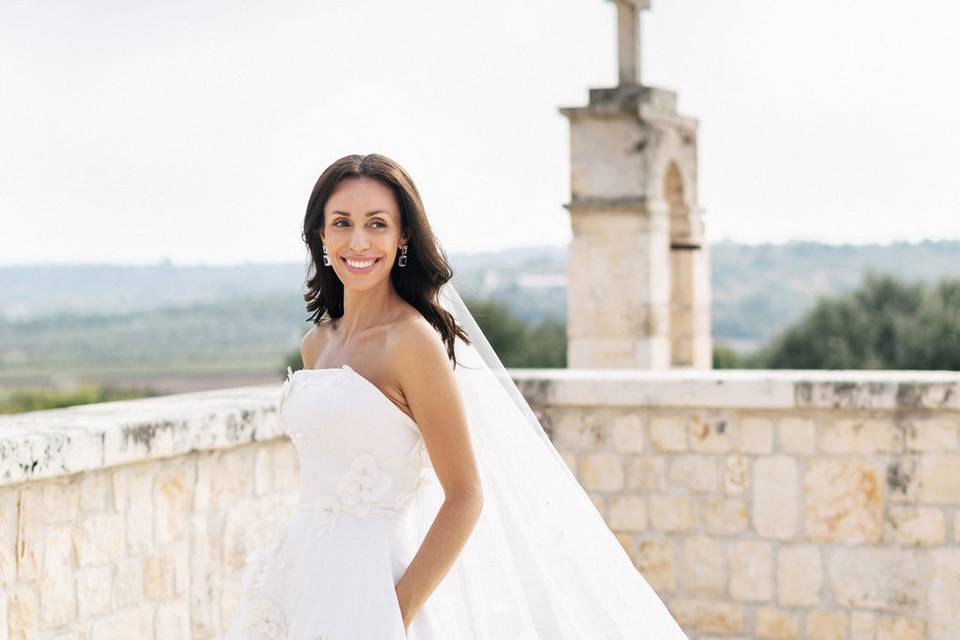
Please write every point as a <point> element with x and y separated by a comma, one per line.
<point>139,320</point>
<point>758,290</point>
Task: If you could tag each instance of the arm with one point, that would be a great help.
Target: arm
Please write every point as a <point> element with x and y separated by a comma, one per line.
<point>429,384</point>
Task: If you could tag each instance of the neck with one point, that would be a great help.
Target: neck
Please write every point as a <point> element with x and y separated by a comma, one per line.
<point>365,308</point>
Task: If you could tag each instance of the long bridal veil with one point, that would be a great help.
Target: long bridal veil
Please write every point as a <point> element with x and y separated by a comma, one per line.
<point>541,563</point>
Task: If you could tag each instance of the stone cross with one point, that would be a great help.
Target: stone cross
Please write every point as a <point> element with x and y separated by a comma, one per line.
<point>628,39</point>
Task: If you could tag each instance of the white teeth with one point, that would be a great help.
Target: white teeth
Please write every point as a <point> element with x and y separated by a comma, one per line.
<point>359,265</point>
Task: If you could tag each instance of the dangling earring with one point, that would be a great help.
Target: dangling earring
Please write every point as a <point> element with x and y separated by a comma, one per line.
<point>402,262</point>
<point>326,256</point>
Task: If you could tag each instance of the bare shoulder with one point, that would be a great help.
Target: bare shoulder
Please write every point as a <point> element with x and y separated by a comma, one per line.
<point>416,346</point>
<point>311,345</point>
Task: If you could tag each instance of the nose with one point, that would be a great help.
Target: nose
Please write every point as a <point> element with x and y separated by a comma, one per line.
<point>358,240</point>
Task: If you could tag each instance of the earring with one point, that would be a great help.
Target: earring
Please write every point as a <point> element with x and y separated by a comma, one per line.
<point>403,256</point>
<point>326,256</point>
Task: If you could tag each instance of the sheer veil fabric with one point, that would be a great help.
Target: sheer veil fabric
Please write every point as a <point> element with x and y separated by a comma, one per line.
<point>541,562</point>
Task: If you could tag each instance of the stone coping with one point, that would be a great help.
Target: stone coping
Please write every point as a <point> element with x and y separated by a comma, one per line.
<point>743,388</point>
<point>55,442</point>
<point>45,444</point>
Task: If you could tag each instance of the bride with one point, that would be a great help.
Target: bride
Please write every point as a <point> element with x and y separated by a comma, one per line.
<point>432,504</point>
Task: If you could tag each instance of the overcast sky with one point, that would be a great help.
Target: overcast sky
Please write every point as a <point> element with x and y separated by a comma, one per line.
<point>193,131</point>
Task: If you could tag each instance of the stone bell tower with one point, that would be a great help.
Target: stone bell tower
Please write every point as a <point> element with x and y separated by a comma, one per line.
<point>638,291</point>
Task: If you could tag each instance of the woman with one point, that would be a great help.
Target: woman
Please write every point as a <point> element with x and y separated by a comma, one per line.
<point>432,504</point>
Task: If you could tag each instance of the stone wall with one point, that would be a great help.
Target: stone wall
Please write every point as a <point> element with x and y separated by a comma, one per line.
<point>758,504</point>
<point>777,505</point>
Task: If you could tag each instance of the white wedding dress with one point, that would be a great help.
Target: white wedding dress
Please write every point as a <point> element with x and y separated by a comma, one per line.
<point>540,564</point>
<point>331,574</point>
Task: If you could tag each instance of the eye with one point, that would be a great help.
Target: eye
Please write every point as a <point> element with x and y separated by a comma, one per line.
<point>337,223</point>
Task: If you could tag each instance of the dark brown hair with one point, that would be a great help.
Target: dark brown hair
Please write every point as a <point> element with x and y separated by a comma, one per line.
<point>427,268</point>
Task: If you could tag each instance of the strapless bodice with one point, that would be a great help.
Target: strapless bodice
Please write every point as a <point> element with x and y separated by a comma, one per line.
<point>358,451</point>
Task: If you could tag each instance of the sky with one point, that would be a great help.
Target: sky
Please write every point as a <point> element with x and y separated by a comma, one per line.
<point>193,132</point>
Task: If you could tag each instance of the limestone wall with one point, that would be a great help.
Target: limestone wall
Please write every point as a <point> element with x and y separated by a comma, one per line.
<point>758,504</point>
<point>777,505</point>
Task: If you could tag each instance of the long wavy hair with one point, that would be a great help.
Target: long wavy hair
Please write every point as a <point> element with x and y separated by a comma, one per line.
<point>427,267</point>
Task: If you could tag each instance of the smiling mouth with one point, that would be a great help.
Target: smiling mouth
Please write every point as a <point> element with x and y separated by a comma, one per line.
<point>360,266</point>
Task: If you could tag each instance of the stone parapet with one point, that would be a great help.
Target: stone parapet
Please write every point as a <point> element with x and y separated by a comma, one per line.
<point>758,504</point>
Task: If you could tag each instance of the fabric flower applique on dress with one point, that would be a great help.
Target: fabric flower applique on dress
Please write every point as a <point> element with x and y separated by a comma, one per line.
<point>362,484</point>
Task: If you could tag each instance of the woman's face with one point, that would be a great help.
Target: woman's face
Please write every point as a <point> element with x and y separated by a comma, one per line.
<point>361,222</point>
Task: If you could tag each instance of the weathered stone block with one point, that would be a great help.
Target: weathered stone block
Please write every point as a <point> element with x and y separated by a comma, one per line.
<point>627,432</point>
<point>173,621</point>
<point>57,595</point>
<point>736,475</point>
<point>943,594</point>
<point>711,433</point>
<point>29,536</point>
<point>939,434</point>
<point>580,429</point>
<point>601,471</point>
<point>939,478</point>
<point>921,526</point>
<point>94,589</point>
<point>775,497</point>
<point>877,578</point>
<point>799,576</point>
<point>671,513</point>
<point>61,500</point>
<point>755,435</point>
<point>892,628</point>
<point>22,613</point>
<point>627,513</point>
<point>231,478</point>
<point>724,516</point>
<point>902,473</point>
<point>94,488</point>
<point>842,501</point>
<point>128,583</point>
<point>773,624</point>
<point>703,567</point>
<point>863,626</point>
<point>798,435</point>
<point>172,498</point>
<point>860,435</point>
<point>698,473</point>
<point>712,616</point>
<point>133,498</point>
<point>646,473</point>
<point>159,573</point>
<point>751,570</point>
<point>668,433</point>
<point>826,625</point>
<point>98,539</point>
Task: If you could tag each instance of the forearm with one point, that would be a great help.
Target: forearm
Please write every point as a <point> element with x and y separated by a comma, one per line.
<point>441,546</point>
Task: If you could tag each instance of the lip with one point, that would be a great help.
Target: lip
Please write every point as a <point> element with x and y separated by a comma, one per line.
<point>360,271</point>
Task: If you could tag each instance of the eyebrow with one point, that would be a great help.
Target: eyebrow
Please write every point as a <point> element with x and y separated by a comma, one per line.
<point>368,214</point>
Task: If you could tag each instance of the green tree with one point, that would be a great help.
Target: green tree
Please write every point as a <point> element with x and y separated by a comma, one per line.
<point>885,324</point>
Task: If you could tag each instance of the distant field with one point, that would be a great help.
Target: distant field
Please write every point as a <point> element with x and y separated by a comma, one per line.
<point>189,328</point>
